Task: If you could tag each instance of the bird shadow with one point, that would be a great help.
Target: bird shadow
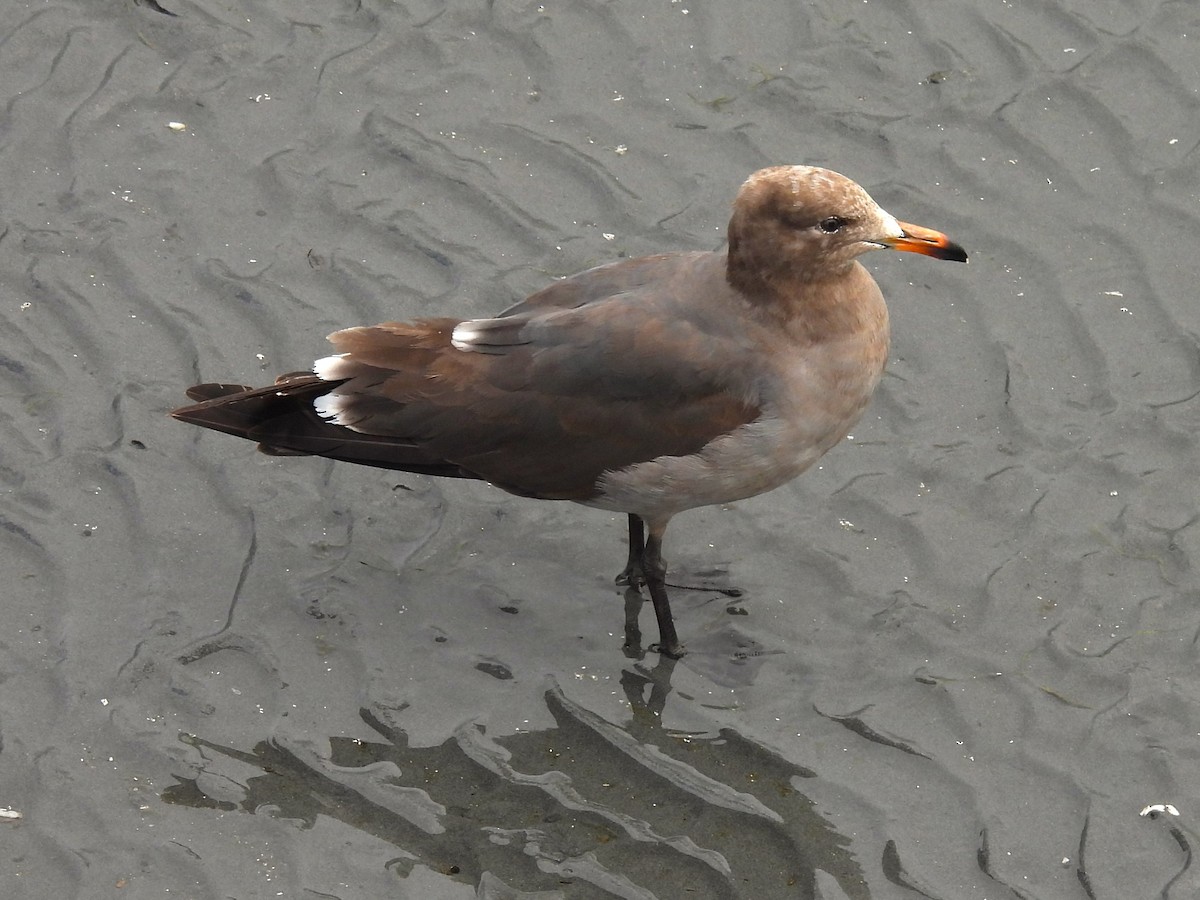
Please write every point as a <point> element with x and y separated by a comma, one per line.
<point>588,808</point>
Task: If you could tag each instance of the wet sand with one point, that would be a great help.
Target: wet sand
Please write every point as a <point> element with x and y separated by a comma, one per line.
<point>963,659</point>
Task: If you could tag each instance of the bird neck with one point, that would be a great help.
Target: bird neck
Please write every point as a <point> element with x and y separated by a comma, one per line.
<point>844,302</point>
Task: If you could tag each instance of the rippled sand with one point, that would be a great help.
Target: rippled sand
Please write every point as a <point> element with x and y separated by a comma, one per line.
<point>964,655</point>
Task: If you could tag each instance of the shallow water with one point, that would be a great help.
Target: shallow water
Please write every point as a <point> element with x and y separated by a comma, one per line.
<point>964,655</point>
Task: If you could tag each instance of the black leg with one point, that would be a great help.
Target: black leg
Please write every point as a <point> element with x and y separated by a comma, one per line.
<point>654,570</point>
<point>632,573</point>
<point>646,564</point>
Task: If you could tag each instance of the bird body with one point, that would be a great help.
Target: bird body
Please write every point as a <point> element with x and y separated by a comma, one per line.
<point>647,386</point>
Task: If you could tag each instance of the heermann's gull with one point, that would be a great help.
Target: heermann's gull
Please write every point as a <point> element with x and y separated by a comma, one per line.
<point>647,386</point>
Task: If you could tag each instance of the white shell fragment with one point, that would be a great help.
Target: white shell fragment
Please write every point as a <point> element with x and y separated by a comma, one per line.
<point>1159,808</point>
<point>10,814</point>
<point>177,126</point>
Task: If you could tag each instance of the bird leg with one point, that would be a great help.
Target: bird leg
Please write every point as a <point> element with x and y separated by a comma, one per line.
<point>654,570</point>
<point>632,573</point>
<point>645,564</point>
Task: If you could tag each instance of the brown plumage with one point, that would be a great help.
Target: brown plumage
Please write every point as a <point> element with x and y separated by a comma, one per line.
<point>647,386</point>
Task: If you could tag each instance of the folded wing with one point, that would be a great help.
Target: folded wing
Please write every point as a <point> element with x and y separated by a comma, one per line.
<point>540,401</point>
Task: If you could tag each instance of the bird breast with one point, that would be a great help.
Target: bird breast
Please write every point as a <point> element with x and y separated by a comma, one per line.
<point>811,395</point>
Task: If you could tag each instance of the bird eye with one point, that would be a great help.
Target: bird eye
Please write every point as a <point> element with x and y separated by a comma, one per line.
<point>832,224</point>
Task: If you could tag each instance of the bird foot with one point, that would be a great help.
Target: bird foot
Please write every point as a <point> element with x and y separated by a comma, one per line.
<point>671,647</point>
<point>631,576</point>
<point>673,650</point>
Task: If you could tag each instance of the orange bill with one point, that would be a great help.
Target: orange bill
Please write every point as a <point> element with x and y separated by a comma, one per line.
<point>926,241</point>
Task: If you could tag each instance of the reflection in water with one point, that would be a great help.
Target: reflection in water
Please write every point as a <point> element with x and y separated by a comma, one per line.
<point>724,656</point>
<point>587,809</point>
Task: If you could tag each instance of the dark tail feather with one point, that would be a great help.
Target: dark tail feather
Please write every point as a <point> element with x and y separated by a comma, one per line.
<point>240,410</point>
<point>282,420</point>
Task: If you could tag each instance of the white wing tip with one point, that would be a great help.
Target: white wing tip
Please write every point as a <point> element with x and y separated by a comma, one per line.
<point>332,368</point>
<point>465,335</point>
<point>330,407</point>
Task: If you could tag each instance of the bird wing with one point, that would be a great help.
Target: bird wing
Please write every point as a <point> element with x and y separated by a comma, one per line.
<point>541,404</point>
<point>612,367</point>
